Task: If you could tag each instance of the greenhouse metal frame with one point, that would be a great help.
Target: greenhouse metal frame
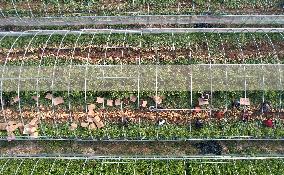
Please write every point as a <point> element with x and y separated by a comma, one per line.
<point>63,62</point>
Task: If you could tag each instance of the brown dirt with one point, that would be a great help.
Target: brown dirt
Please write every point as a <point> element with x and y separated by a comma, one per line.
<point>131,54</point>
<point>127,148</point>
<point>25,149</point>
<point>100,148</point>
<point>115,115</point>
<point>61,115</point>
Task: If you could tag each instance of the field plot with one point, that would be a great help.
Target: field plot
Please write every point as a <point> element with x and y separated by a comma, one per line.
<point>132,12</point>
<point>49,8</point>
<point>138,114</point>
<point>141,87</point>
<point>60,166</point>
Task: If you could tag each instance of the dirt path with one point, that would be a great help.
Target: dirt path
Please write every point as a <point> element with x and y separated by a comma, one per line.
<point>143,148</point>
<point>200,53</point>
<point>115,115</point>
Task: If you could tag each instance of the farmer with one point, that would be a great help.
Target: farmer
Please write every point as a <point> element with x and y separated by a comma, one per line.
<point>220,114</point>
<point>198,124</point>
<point>245,116</point>
<point>124,121</point>
<point>236,104</point>
<point>268,123</point>
<point>205,96</point>
<point>265,107</point>
<point>161,122</point>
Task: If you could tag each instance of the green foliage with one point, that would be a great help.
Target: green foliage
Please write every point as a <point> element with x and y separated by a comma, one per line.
<point>165,7</point>
<point>94,167</point>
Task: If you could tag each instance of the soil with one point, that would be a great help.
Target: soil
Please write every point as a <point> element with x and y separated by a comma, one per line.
<point>135,116</point>
<point>131,54</point>
<point>132,148</point>
<point>23,149</point>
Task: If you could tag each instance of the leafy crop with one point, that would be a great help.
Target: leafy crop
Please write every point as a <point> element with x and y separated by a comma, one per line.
<point>57,166</point>
<point>21,8</point>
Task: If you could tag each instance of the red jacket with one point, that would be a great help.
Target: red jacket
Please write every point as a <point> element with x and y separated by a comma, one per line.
<point>268,123</point>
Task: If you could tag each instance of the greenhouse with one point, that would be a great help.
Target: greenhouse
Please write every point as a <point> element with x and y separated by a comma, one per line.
<point>141,87</point>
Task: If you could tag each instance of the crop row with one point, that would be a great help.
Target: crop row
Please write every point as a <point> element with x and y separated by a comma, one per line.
<point>167,48</point>
<point>56,120</point>
<point>58,166</point>
<point>177,40</point>
<point>150,131</point>
<point>129,7</point>
<point>171,99</point>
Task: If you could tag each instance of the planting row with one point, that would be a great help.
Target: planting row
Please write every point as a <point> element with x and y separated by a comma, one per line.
<point>58,166</point>
<point>114,115</point>
<point>79,100</point>
<point>20,8</point>
<point>146,48</point>
<point>147,131</point>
